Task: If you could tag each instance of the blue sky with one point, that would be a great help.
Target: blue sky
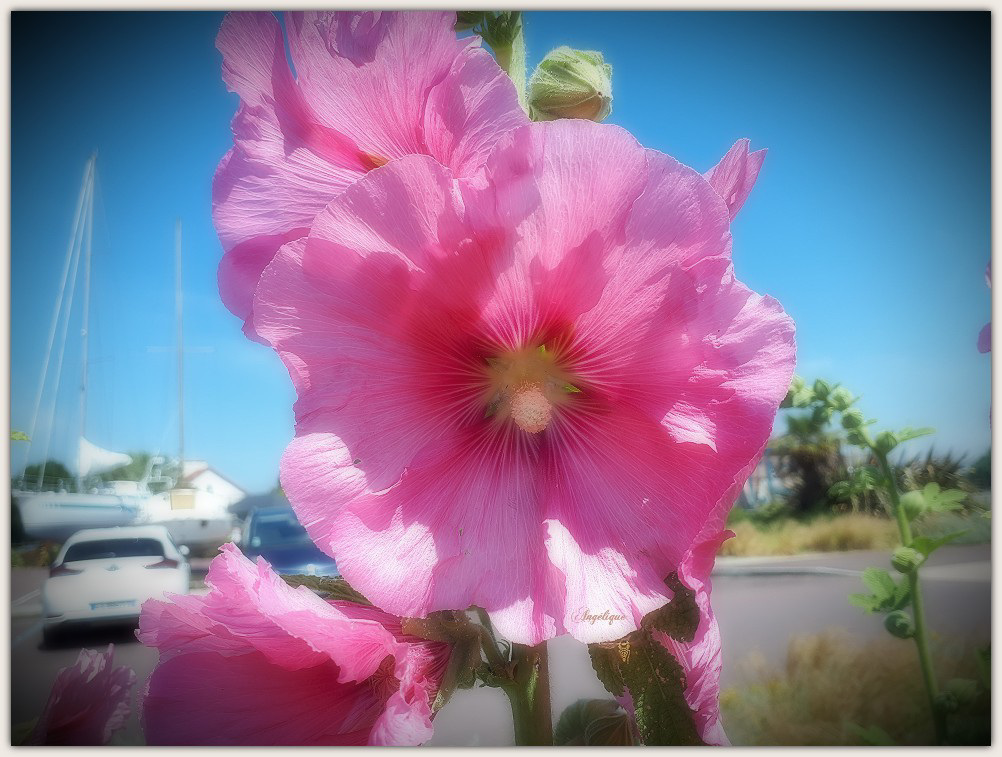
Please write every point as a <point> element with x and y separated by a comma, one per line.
<point>869,222</point>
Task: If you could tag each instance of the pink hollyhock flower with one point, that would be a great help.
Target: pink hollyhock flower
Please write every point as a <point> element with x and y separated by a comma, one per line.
<point>734,176</point>
<point>88,703</point>
<point>525,392</point>
<point>369,87</point>
<point>985,337</point>
<point>256,662</point>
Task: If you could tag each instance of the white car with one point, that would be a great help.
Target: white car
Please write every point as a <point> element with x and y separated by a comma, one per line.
<point>103,575</point>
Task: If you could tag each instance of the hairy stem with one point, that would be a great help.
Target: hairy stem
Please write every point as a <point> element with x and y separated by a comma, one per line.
<point>529,695</point>
<point>512,60</point>
<point>921,636</point>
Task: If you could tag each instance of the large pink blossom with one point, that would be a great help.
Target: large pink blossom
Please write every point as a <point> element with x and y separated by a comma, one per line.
<point>256,662</point>
<point>527,391</point>
<point>369,87</point>
<point>88,703</point>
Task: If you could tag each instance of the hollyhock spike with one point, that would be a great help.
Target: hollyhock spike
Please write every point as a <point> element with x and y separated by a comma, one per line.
<point>302,670</point>
<point>299,141</point>
<point>617,260</point>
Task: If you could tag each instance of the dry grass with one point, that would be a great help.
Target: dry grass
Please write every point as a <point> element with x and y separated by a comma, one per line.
<point>830,683</point>
<point>825,534</point>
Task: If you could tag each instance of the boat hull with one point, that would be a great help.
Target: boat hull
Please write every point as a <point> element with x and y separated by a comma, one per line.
<point>55,516</point>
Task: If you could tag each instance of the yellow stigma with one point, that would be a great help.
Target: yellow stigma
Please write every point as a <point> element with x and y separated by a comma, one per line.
<point>530,409</point>
<point>526,385</point>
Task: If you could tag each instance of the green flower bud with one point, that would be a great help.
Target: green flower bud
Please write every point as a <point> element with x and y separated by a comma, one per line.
<point>857,437</point>
<point>906,559</point>
<point>840,399</point>
<point>913,503</point>
<point>571,84</point>
<point>899,623</point>
<point>886,441</point>
<point>822,389</point>
<point>852,419</point>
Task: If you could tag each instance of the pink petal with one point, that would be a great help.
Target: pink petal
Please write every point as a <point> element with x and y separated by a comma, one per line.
<point>734,176</point>
<point>301,142</point>
<point>88,703</point>
<point>270,651</point>
<point>985,338</point>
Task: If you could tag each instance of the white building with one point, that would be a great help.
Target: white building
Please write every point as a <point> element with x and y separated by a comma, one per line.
<point>199,475</point>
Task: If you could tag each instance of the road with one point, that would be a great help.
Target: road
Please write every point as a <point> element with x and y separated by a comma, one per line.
<point>760,604</point>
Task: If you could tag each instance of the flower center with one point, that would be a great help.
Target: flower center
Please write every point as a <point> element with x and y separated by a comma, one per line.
<point>526,385</point>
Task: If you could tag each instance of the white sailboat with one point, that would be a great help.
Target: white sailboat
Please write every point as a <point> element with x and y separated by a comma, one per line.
<point>48,509</point>
<point>194,516</point>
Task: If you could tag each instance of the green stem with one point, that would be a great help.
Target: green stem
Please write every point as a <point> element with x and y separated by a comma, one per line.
<point>529,695</point>
<point>921,636</point>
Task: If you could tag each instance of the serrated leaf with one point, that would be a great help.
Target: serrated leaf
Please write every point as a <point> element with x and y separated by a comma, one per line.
<point>879,581</point>
<point>902,596</point>
<point>874,735</point>
<point>336,589</point>
<point>655,682</point>
<point>927,545</point>
<point>680,617</point>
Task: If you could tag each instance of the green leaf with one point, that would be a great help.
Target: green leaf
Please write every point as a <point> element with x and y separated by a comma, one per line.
<point>869,603</point>
<point>880,582</point>
<point>594,722</point>
<point>680,617</point>
<point>927,545</point>
<point>19,436</point>
<point>655,681</point>
<point>329,588</point>
<point>461,672</point>
<point>874,735</point>
<point>907,434</point>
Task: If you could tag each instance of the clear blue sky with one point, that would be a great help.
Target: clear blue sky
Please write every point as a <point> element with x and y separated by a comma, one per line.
<point>870,220</point>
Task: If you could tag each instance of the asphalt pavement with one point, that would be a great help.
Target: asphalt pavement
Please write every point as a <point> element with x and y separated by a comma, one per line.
<point>760,603</point>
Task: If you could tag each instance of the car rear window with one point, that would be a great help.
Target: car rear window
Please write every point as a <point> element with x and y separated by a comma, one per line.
<point>102,549</point>
<point>278,529</point>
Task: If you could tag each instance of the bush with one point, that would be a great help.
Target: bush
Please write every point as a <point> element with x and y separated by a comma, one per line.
<point>822,534</point>
<point>830,686</point>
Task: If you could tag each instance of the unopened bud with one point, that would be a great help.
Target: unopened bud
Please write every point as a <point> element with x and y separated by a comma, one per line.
<point>571,83</point>
<point>821,415</point>
<point>906,559</point>
<point>821,389</point>
<point>900,624</point>
<point>852,419</point>
<point>840,399</point>
<point>913,503</point>
<point>885,442</point>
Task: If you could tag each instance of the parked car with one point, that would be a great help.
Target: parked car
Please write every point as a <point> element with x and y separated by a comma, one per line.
<point>103,576</point>
<point>275,534</point>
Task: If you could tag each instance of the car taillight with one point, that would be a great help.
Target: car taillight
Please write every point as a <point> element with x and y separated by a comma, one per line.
<point>62,570</point>
<point>165,563</point>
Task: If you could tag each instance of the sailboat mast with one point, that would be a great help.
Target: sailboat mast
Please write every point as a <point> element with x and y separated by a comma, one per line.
<point>88,238</point>
<point>178,304</point>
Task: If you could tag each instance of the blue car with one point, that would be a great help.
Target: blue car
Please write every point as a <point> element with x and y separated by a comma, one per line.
<point>275,534</point>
